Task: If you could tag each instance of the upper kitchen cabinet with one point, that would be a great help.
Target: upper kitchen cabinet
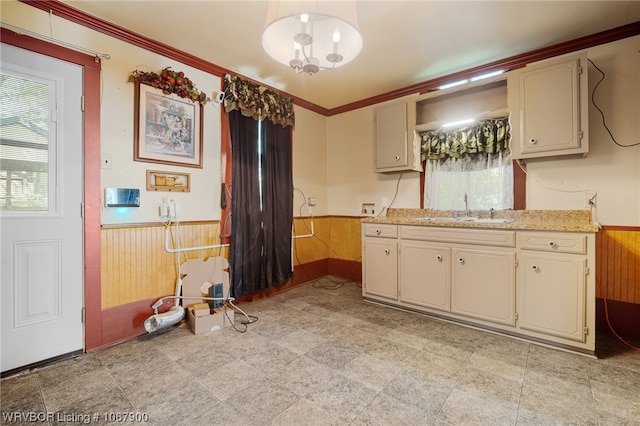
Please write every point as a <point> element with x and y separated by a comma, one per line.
<point>394,149</point>
<point>548,101</point>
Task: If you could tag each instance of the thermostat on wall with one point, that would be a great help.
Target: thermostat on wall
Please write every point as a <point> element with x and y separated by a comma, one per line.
<point>122,197</point>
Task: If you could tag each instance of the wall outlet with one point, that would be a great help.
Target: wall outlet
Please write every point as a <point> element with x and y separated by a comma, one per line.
<point>311,201</point>
<point>368,209</point>
<point>167,209</point>
<point>384,203</point>
<point>590,199</point>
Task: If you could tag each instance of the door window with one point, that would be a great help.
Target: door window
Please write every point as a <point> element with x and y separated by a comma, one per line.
<point>25,148</point>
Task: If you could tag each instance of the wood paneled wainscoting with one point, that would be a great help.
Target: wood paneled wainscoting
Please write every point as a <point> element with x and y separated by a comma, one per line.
<point>137,270</point>
<point>618,279</point>
<point>136,266</point>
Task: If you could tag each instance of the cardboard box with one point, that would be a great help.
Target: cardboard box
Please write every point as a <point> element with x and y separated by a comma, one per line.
<point>200,309</point>
<point>211,322</point>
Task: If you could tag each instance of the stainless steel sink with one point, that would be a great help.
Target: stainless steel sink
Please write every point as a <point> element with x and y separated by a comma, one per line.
<point>484,220</point>
<point>463,219</point>
<point>437,219</point>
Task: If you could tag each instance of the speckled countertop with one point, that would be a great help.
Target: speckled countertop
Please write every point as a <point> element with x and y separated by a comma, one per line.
<point>538,220</point>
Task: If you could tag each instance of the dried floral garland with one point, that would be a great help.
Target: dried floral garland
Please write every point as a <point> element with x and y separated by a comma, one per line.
<point>169,82</point>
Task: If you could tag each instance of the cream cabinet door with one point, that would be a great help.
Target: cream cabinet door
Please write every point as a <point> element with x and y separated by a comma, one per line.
<point>395,148</point>
<point>551,295</point>
<point>380,268</point>
<point>483,285</point>
<point>552,108</point>
<point>391,137</point>
<point>424,278</point>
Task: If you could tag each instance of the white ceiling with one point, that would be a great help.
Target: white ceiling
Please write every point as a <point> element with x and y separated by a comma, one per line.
<point>405,42</point>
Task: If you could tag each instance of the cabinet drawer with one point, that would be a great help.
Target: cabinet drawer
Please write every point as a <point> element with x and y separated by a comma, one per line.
<point>378,230</point>
<point>457,235</point>
<point>553,241</point>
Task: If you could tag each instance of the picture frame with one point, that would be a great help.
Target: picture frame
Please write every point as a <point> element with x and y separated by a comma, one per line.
<point>158,180</point>
<point>167,128</point>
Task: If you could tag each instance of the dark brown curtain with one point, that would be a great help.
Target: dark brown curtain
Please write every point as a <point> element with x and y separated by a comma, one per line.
<point>261,204</point>
<point>277,194</point>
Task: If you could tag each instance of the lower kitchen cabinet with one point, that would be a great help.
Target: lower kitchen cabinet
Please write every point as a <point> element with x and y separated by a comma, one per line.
<point>551,295</point>
<point>483,285</point>
<point>424,275</point>
<point>530,284</point>
<point>380,268</point>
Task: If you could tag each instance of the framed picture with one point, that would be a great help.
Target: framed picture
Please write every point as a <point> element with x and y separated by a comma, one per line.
<point>167,128</point>
<point>168,181</point>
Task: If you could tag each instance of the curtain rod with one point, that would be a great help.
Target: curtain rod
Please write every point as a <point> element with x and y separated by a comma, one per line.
<point>22,31</point>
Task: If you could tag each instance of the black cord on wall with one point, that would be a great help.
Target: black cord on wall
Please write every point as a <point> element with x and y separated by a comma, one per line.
<point>593,101</point>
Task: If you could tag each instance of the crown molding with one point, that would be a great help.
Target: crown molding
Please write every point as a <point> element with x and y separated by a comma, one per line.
<point>79,17</point>
<point>510,63</point>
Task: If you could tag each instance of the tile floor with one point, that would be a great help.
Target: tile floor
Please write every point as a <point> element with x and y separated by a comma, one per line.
<point>321,356</point>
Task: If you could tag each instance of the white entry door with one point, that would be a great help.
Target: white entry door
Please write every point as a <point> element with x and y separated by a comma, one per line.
<point>41,194</point>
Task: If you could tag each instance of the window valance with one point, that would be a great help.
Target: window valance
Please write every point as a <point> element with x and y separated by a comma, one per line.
<point>257,101</point>
<point>487,136</point>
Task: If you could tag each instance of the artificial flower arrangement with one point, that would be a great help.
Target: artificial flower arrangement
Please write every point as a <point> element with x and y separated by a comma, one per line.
<point>169,82</point>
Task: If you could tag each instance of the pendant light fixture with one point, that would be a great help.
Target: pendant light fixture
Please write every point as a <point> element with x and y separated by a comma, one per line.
<point>312,35</point>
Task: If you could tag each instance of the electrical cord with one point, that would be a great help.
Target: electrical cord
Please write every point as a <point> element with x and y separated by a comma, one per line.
<point>316,283</point>
<point>217,237</point>
<point>570,191</point>
<point>606,315</point>
<point>593,101</point>
<point>591,201</point>
<point>250,318</point>
<point>394,196</point>
<point>334,284</point>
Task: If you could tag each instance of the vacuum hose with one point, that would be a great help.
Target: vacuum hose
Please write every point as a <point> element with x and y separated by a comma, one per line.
<point>155,322</point>
<point>176,313</point>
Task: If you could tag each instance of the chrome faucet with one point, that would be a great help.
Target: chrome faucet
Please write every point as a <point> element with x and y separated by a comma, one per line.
<point>466,206</point>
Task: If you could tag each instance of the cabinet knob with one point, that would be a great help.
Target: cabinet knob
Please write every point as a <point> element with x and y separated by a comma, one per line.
<point>461,260</point>
<point>532,141</point>
<point>378,231</point>
<point>397,157</point>
<point>439,258</point>
<point>387,251</point>
<point>534,267</point>
<point>551,243</point>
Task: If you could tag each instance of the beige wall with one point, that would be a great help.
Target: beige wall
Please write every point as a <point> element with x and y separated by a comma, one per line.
<point>611,171</point>
<point>333,155</point>
<point>351,180</point>
<point>117,118</point>
<point>310,162</point>
<point>201,203</point>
